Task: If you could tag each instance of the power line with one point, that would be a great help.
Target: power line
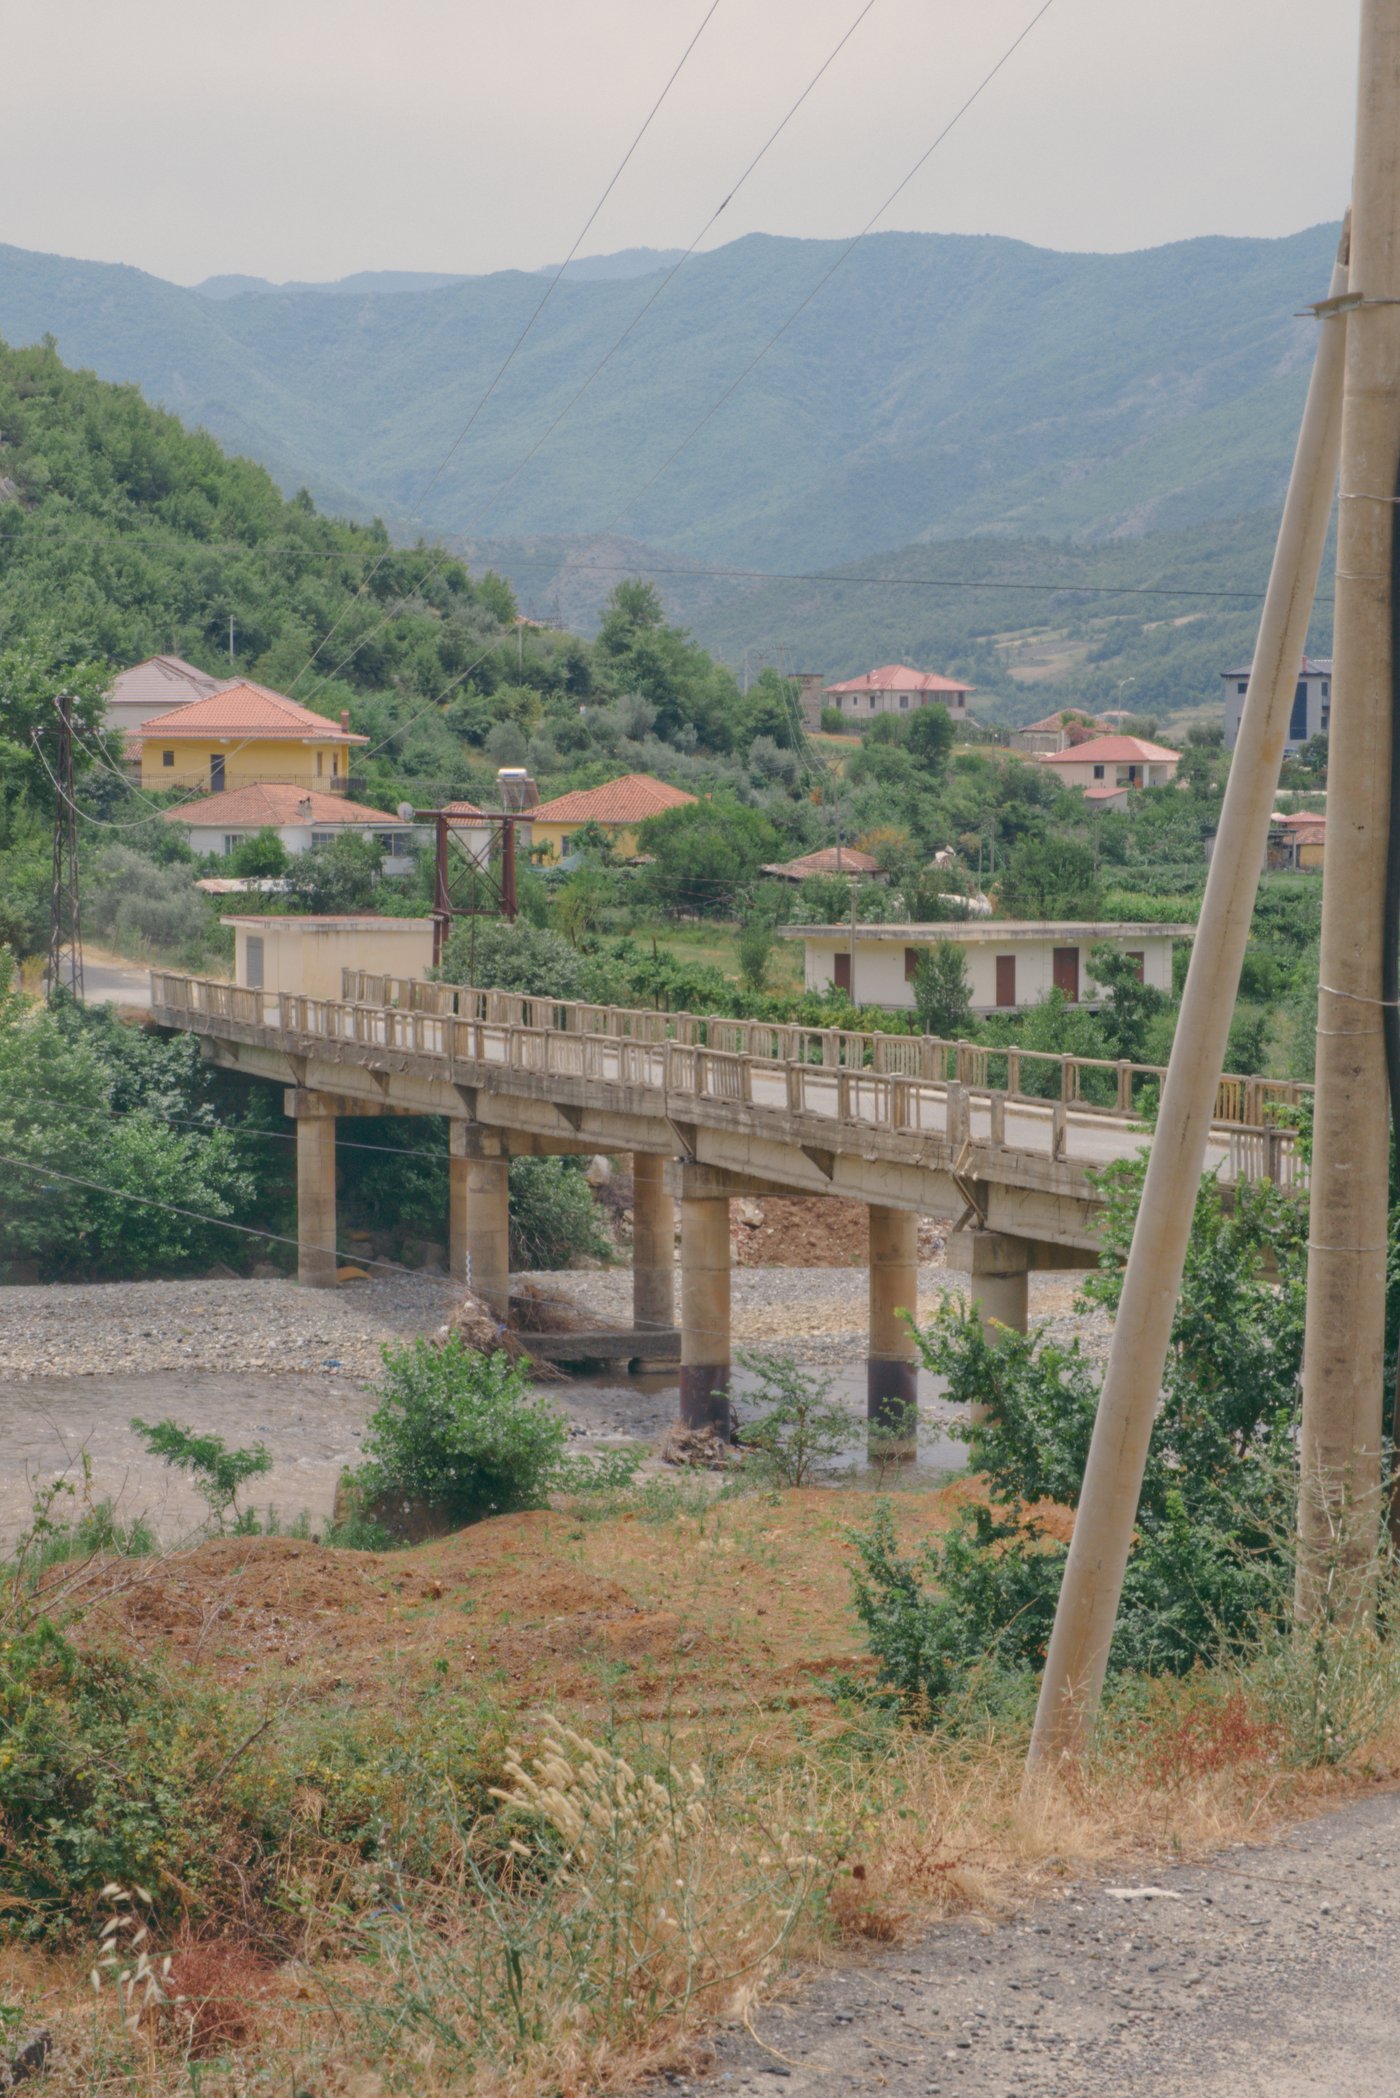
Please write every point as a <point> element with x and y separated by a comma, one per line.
<point>676,266</point>
<point>842,257</point>
<point>510,356</point>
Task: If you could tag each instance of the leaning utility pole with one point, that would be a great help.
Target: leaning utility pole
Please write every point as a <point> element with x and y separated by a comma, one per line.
<point>1343,1353</point>
<point>1107,1512</point>
<point>64,968</point>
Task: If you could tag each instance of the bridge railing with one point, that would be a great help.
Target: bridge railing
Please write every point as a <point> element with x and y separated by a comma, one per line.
<point>1094,1084</point>
<point>941,1089</point>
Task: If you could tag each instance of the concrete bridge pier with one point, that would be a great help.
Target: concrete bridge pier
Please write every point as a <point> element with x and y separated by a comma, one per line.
<point>892,1365</point>
<point>479,1215</point>
<point>653,1244</point>
<point>315,1124</point>
<point>998,1269</point>
<point>704,1305</point>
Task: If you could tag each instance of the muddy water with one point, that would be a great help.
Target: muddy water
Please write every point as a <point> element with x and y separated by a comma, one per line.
<point>311,1424</point>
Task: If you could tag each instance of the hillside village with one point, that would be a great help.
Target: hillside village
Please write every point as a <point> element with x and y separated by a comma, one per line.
<point>670,987</point>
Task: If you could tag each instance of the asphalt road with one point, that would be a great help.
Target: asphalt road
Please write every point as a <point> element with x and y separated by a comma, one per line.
<point>116,983</point>
<point>1272,1972</point>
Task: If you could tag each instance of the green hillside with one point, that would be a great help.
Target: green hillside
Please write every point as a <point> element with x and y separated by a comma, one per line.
<point>1147,623</point>
<point>938,387</point>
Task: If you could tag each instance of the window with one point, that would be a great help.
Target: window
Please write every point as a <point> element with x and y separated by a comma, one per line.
<point>904,699</point>
<point>1098,771</point>
<point>233,839</point>
<point>1139,962</point>
<point>322,837</point>
<point>1327,688</point>
<point>216,773</point>
<point>320,762</point>
<point>167,757</point>
<point>388,841</point>
<point>1006,979</point>
<point>911,963</point>
<point>1242,687</point>
<point>1298,720</point>
<point>255,961</point>
<point>842,962</point>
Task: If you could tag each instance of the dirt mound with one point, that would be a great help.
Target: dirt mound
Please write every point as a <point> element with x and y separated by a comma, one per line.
<point>812,1231</point>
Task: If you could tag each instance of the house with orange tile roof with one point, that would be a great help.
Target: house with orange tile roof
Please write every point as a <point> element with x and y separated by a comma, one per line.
<point>243,735</point>
<point>301,817</point>
<point>619,808</point>
<point>896,689</point>
<point>1114,763</point>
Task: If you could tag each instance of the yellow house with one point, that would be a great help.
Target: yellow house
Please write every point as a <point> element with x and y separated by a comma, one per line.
<point>618,809</point>
<point>242,736</point>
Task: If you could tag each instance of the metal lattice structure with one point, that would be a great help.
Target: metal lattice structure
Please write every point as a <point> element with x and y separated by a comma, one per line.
<point>64,969</point>
<point>473,869</point>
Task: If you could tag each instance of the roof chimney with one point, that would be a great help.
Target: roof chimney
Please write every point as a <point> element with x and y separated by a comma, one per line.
<point>344,721</point>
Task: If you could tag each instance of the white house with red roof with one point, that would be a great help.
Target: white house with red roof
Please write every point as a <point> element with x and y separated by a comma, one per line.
<point>896,689</point>
<point>1107,767</point>
<point>301,817</point>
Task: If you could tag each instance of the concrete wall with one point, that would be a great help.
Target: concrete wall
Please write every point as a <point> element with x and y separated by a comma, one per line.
<point>880,967</point>
<point>306,955</point>
<point>551,840</point>
<point>1309,716</point>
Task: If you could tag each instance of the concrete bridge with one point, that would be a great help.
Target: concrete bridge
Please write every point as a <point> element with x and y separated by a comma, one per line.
<point>1004,1140</point>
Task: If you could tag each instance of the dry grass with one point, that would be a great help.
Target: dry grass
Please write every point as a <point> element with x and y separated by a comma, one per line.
<point>683,1815</point>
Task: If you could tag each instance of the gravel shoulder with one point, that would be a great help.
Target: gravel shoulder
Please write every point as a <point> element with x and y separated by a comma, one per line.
<point>1270,1972</point>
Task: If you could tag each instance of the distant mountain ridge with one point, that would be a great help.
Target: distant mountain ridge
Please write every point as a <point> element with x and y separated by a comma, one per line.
<point>595,269</point>
<point>939,387</point>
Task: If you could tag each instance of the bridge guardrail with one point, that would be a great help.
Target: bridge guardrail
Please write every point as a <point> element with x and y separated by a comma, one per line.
<point>1095,1084</point>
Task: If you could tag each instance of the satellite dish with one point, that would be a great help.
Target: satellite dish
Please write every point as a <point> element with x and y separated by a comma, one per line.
<point>406,812</point>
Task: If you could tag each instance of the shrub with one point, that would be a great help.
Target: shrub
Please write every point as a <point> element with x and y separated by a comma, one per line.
<point>460,1430</point>
<point>217,1471</point>
<point>801,1429</point>
<point>1209,1572</point>
<point>755,946</point>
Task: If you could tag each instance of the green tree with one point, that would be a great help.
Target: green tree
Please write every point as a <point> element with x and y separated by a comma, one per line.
<point>337,878</point>
<point>262,857</point>
<point>1132,1005</point>
<point>943,989</point>
<point>703,853</point>
<point>1050,877</point>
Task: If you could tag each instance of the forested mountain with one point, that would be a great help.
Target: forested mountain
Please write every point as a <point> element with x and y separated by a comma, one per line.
<point>937,387</point>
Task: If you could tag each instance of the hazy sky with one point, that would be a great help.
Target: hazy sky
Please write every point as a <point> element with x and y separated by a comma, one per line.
<point>309,138</point>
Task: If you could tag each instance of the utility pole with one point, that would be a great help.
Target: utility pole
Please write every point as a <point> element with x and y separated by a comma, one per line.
<point>1103,1529</point>
<point>64,969</point>
<point>230,640</point>
<point>1339,1487</point>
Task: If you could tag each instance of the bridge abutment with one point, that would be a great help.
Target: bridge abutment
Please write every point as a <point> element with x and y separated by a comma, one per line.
<point>892,1365</point>
<point>704,1310</point>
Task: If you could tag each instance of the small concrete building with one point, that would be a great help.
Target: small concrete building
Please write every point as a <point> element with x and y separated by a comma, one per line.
<point>1057,732</point>
<point>307,955</point>
<point>1312,703</point>
<point>896,689</point>
<point>1012,963</point>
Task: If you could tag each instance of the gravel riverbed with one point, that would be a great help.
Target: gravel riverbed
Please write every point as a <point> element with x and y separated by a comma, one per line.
<point>265,1361</point>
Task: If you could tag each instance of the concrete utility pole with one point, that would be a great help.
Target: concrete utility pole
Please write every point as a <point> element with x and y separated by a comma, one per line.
<point>1103,1530</point>
<point>1339,1490</point>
